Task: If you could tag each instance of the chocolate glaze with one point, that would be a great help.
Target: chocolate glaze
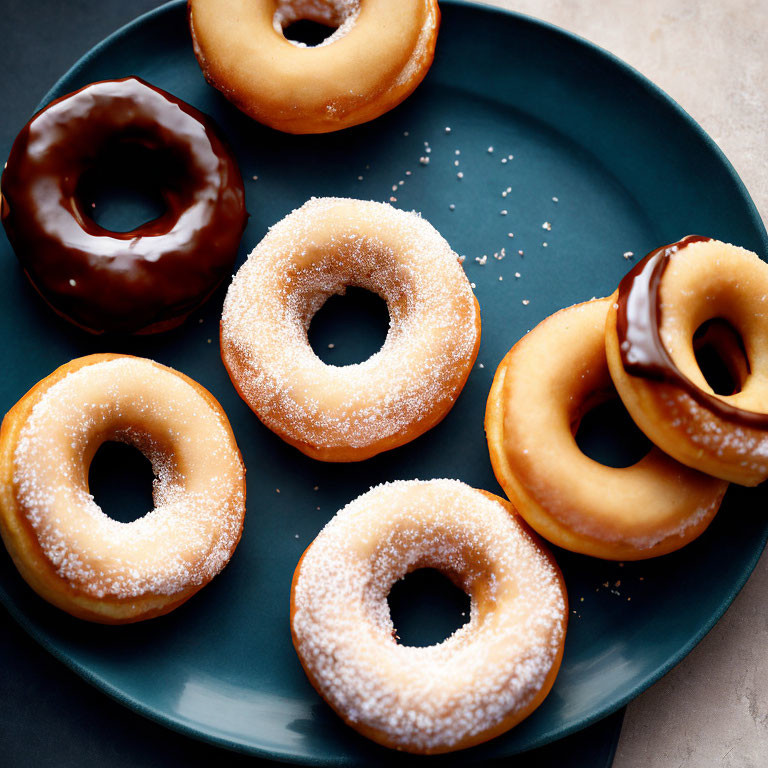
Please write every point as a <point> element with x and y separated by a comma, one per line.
<point>152,277</point>
<point>642,350</point>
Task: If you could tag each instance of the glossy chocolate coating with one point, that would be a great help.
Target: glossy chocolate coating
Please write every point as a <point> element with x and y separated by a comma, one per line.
<point>642,350</point>
<point>152,277</point>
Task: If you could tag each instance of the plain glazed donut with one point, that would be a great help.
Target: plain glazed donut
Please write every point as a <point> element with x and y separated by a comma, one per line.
<point>650,331</point>
<point>380,52</point>
<point>352,412</point>
<point>148,279</point>
<point>488,675</point>
<point>63,545</point>
<point>541,390</point>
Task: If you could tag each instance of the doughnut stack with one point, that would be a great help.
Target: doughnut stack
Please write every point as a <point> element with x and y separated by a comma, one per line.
<point>641,345</point>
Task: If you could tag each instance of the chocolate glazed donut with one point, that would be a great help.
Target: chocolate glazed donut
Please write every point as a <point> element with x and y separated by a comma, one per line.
<point>146,280</point>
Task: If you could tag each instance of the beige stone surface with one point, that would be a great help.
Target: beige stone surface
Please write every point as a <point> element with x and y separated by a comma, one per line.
<point>711,56</point>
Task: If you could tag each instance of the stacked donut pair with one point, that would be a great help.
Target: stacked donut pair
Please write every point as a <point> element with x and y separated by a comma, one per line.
<point>641,345</point>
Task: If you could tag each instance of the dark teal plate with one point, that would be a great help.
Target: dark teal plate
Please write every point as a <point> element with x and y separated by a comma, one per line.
<point>630,171</point>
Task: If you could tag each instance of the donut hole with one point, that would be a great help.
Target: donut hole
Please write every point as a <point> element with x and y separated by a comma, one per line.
<point>606,434</point>
<point>721,356</point>
<point>427,607</point>
<point>350,327</point>
<point>308,32</point>
<point>309,23</point>
<point>121,192</point>
<point>120,480</point>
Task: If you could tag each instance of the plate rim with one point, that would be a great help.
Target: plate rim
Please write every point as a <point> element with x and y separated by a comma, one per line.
<point>180,726</point>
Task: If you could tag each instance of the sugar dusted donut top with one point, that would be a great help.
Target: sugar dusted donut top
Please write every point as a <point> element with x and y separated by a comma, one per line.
<point>198,491</point>
<point>443,696</point>
<point>315,252</point>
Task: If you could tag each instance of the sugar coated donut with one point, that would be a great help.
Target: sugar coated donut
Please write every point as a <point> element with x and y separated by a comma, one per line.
<point>488,675</point>
<point>147,279</point>
<point>64,546</point>
<point>352,412</point>
<point>650,331</point>
<point>380,51</point>
<point>541,390</point>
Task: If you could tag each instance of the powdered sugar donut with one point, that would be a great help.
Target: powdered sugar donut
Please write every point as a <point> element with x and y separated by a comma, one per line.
<point>381,50</point>
<point>66,548</point>
<point>487,676</point>
<point>543,387</point>
<point>352,412</point>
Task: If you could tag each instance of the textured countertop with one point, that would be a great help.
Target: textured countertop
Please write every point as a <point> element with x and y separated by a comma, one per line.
<point>711,57</point>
